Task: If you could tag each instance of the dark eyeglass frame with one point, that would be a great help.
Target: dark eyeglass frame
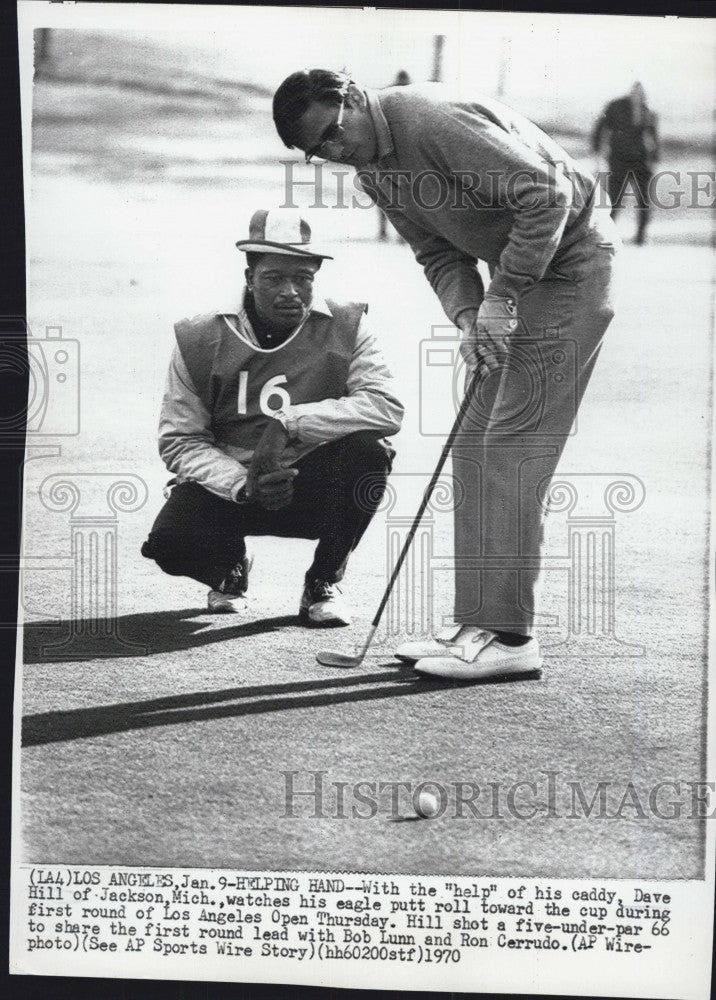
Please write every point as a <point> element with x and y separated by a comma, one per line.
<point>333,135</point>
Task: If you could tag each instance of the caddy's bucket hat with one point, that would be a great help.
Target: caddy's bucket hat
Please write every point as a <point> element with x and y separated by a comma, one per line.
<point>282,231</point>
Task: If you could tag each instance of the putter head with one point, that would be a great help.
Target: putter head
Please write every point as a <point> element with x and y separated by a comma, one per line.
<point>332,658</point>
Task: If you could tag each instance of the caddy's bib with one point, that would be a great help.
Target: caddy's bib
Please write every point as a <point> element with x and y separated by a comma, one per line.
<point>242,385</point>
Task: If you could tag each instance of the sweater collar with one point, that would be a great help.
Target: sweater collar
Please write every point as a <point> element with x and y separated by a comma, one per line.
<point>384,140</point>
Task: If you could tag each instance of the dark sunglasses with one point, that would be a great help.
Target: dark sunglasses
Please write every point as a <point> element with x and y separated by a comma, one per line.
<point>332,136</point>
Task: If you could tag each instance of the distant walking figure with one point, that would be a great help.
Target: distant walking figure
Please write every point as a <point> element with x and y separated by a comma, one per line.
<point>630,129</point>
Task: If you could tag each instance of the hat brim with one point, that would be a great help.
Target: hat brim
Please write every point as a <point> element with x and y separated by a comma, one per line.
<point>287,249</point>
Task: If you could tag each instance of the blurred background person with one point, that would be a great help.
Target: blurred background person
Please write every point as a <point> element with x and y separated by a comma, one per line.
<point>628,129</point>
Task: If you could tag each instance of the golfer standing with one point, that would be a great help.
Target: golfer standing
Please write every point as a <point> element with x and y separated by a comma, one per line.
<point>466,181</point>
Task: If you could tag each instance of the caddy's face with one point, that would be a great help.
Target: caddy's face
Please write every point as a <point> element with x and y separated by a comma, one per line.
<point>357,146</point>
<point>282,287</point>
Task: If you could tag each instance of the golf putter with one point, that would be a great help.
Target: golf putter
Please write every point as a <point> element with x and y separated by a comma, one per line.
<point>333,658</point>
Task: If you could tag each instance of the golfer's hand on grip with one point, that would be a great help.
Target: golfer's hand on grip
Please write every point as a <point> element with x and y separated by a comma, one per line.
<point>486,332</point>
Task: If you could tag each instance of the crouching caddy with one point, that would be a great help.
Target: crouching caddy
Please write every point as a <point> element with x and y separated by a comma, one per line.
<point>273,416</point>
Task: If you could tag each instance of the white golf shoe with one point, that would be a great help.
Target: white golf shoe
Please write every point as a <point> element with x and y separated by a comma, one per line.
<point>437,645</point>
<point>476,654</point>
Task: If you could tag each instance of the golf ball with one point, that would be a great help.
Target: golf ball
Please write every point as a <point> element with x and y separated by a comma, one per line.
<point>427,804</point>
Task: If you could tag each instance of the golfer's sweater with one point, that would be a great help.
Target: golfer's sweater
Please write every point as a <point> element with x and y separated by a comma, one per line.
<point>464,181</point>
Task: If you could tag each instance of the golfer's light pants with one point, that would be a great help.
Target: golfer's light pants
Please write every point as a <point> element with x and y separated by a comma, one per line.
<point>514,434</point>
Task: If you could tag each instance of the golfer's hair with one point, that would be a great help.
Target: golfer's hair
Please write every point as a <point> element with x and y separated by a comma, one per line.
<point>297,92</point>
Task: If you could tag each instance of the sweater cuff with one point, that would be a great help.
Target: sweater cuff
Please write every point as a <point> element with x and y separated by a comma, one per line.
<point>502,288</point>
<point>509,300</point>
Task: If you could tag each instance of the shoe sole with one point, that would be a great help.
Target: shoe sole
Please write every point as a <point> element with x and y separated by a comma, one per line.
<point>489,673</point>
<point>411,658</point>
<point>414,659</point>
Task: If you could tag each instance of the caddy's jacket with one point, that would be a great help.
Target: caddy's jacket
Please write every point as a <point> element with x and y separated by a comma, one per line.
<point>202,446</point>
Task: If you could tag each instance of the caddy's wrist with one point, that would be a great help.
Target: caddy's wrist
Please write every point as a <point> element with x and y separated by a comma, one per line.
<point>285,420</point>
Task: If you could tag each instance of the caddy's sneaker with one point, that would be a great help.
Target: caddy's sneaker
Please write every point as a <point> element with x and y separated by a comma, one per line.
<point>230,598</point>
<point>226,604</point>
<point>322,605</point>
<point>476,654</point>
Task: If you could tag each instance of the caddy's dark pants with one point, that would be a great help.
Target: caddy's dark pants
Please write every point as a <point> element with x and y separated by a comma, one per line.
<point>335,494</point>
